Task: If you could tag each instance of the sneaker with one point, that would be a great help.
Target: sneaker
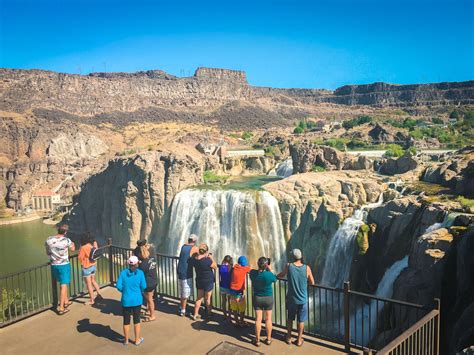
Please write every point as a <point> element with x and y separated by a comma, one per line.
<point>182,313</point>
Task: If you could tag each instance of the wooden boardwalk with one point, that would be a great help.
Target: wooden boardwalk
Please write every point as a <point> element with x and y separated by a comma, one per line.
<point>98,329</point>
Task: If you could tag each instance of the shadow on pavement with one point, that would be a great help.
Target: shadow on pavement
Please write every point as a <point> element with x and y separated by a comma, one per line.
<point>99,330</point>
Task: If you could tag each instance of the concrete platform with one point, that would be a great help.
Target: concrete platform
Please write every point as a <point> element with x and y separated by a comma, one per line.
<point>98,329</point>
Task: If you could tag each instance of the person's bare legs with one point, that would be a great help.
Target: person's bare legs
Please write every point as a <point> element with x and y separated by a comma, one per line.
<point>268,324</point>
<point>289,325</point>
<point>150,304</point>
<point>126,333</point>
<point>207,300</point>
<point>88,280</point>
<point>182,303</point>
<point>300,327</point>
<point>137,329</point>
<point>258,324</point>
<point>197,305</point>
<point>62,297</point>
<point>95,284</point>
<point>224,305</point>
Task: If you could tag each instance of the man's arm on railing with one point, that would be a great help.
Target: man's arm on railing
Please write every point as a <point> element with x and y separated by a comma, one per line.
<point>283,273</point>
<point>310,276</point>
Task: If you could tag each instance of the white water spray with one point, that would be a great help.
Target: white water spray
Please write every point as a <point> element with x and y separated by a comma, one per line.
<point>230,222</point>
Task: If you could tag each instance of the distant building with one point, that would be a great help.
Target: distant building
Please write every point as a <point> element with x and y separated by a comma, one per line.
<point>46,200</point>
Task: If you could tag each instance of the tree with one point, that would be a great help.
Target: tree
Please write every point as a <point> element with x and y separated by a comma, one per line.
<point>298,130</point>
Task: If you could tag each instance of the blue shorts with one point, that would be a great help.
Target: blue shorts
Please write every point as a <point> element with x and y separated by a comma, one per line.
<point>224,291</point>
<point>89,271</point>
<point>62,273</point>
<point>298,311</point>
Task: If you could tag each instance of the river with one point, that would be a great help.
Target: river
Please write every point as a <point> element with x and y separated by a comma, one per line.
<point>22,245</point>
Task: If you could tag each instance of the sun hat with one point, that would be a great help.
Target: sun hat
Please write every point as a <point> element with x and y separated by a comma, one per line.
<point>297,254</point>
<point>242,261</point>
<point>193,238</point>
<point>133,260</point>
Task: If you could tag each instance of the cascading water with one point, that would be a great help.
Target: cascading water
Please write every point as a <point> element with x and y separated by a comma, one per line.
<point>283,169</point>
<point>230,222</point>
<point>384,290</point>
<point>341,249</point>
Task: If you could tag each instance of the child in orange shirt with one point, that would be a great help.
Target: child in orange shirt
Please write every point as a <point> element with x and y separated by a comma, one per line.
<point>237,290</point>
<point>89,267</point>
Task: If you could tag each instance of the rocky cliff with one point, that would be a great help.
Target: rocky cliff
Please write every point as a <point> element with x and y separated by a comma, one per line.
<point>130,199</point>
<point>313,205</point>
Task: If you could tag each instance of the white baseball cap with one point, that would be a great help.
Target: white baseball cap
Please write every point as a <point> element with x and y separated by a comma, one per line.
<point>133,260</point>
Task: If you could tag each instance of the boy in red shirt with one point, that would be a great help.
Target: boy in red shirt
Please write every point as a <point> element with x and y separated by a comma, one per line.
<point>237,290</point>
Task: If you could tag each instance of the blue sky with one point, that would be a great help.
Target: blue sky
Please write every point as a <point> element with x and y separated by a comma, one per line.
<point>314,44</point>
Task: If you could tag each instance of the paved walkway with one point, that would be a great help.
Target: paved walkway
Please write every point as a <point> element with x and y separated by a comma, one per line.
<point>98,329</point>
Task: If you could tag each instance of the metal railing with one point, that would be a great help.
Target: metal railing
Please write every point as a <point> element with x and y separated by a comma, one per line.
<point>343,316</point>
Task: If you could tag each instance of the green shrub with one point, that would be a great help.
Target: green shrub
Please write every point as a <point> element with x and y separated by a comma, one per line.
<point>454,114</point>
<point>409,123</point>
<point>13,303</point>
<point>337,143</point>
<point>234,135</point>
<point>394,150</point>
<point>210,177</point>
<point>348,124</point>
<point>469,119</point>
<point>466,202</point>
<point>437,120</point>
<point>318,168</point>
<point>355,143</point>
<point>298,130</point>
<point>247,135</point>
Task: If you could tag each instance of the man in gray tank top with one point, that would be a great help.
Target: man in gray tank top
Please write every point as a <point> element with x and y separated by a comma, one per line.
<point>299,275</point>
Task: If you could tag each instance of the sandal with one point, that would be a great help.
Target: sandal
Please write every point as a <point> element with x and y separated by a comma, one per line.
<point>146,320</point>
<point>244,324</point>
<point>64,311</point>
<point>288,340</point>
<point>268,341</point>
<point>139,342</point>
<point>68,304</point>
<point>193,317</point>
<point>256,343</point>
<point>300,344</point>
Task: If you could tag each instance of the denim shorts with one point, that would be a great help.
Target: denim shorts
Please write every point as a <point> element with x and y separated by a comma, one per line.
<point>224,291</point>
<point>298,311</point>
<point>89,271</point>
<point>62,273</point>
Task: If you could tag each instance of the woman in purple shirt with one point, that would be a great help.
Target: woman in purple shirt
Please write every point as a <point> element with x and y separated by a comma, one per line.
<point>224,285</point>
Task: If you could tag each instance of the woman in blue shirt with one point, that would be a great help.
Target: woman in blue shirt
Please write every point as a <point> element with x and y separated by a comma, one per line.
<point>131,283</point>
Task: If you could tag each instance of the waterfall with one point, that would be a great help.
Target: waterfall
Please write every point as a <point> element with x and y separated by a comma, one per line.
<point>446,223</point>
<point>341,249</point>
<point>384,290</point>
<point>283,169</point>
<point>230,222</point>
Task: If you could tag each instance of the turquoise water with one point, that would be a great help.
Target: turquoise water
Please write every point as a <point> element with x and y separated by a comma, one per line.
<point>243,183</point>
<point>22,245</point>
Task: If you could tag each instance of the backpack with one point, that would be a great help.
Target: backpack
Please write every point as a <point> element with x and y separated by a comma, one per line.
<point>95,254</point>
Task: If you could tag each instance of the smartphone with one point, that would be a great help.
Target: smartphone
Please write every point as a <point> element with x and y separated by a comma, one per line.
<point>268,261</point>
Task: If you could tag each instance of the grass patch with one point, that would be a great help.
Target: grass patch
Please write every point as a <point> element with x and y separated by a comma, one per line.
<point>465,202</point>
<point>210,177</point>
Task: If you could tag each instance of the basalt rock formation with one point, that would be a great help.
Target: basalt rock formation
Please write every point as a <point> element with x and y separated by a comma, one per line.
<point>455,172</point>
<point>130,199</point>
<point>306,156</point>
<point>312,206</point>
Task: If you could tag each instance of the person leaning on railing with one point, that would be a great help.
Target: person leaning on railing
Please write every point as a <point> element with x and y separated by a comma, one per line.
<point>204,266</point>
<point>262,281</point>
<point>89,265</point>
<point>148,265</point>
<point>185,272</point>
<point>299,275</point>
<point>57,248</point>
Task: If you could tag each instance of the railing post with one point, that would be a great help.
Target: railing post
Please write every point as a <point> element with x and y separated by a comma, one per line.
<point>437,331</point>
<point>54,293</point>
<point>111,264</point>
<point>347,318</point>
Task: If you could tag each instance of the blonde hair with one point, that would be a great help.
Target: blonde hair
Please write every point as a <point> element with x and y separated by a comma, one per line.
<point>145,251</point>
<point>203,248</point>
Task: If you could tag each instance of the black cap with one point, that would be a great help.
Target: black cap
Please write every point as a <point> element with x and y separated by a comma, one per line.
<point>141,242</point>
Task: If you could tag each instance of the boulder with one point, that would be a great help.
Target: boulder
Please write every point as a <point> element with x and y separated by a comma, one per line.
<point>398,166</point>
